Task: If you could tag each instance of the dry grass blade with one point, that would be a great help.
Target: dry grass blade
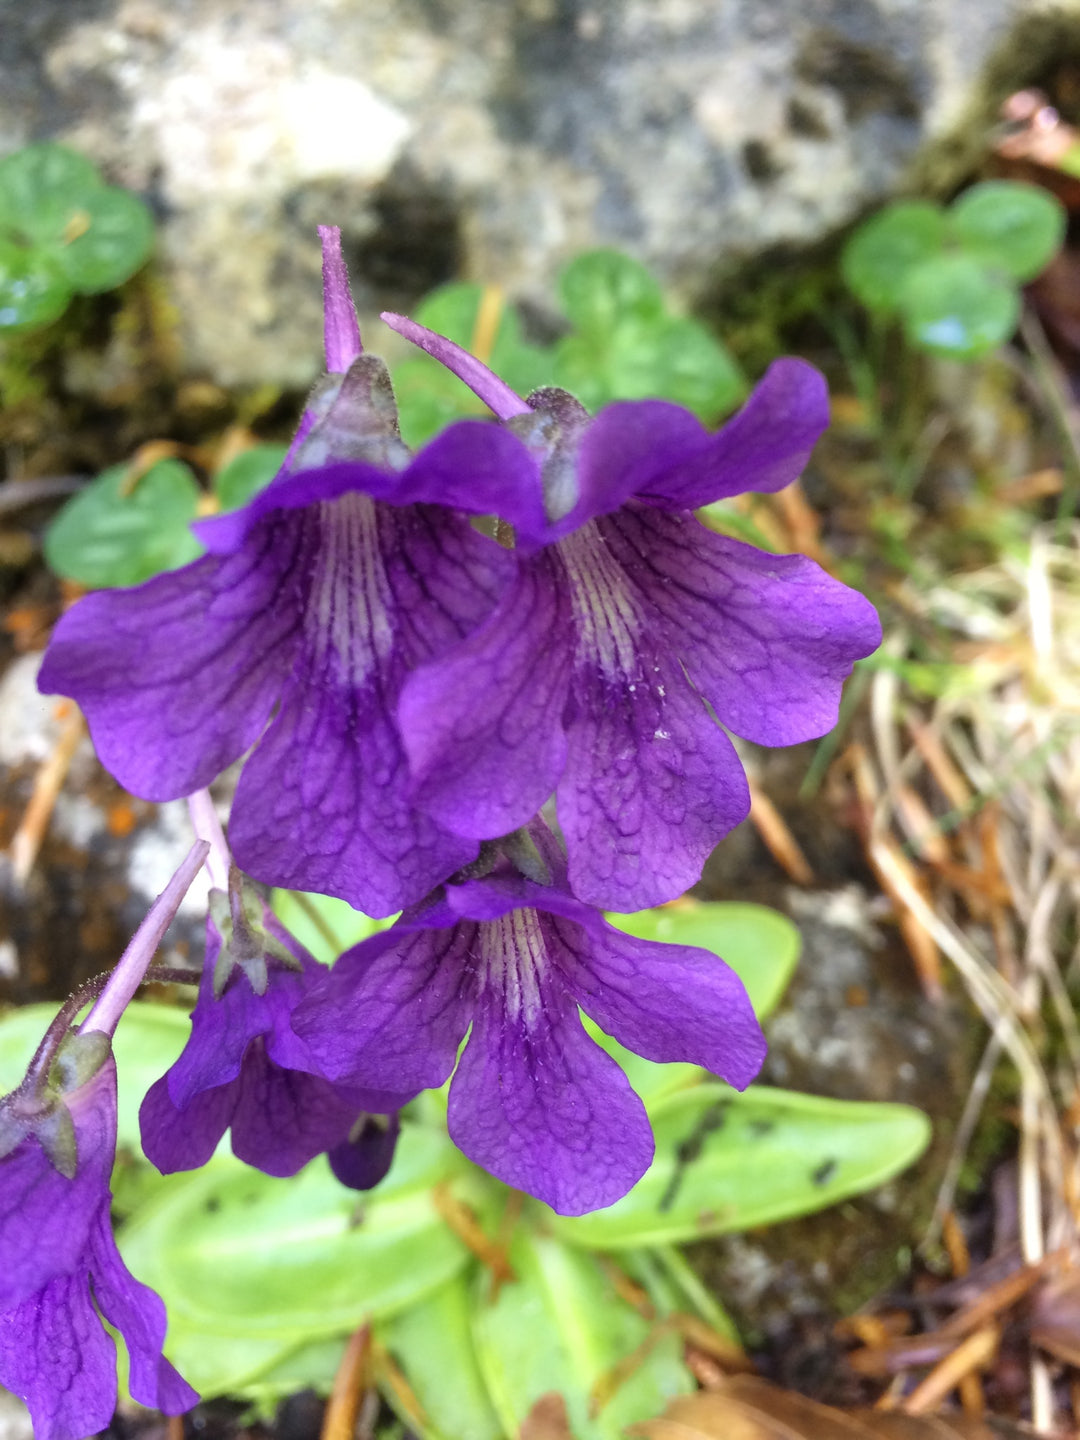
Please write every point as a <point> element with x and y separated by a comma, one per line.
<point>351,1381</point>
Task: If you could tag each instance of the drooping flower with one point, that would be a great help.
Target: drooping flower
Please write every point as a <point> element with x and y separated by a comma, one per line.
<point>59,1266</point>
<point>533,1099</point>
<point>630,628</point>
<point>244,1068</point>
<point>295,635</point>
<point>58,1258</point>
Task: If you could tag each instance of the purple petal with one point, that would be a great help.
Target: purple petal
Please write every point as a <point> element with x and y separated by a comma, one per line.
<point>495,393</point>
<point>324,804</point>
<point>45,1218</point>
<point>765,447</point>
<point>767,639</point>
<point>139,1314</point>
<point>542,1107</point>
<point>394,1009</point>
<point>284,1118</point>
<point>483,726</point>
<point>664,1002</point>
<point>178,677</point>
<point>341,329</point>
<point>481,469</point>
<point>175,1138</point>
<point>55,1355</point>
<point>627,450</point>
<point>651,785</point>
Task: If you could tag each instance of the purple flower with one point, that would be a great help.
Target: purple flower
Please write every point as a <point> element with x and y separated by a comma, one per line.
<point>295,635</point>
<point>59,1267</point>
<point>244,1067</point>
<point>628,631</point>
<point>533,1099</point>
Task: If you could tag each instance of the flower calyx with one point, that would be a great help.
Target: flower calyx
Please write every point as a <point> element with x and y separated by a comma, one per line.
<point>64,1063</point>
<point>356,419</point>
<point>246,941</point>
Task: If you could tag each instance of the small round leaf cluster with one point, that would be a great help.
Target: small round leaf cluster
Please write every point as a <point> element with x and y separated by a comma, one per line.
<point>951,275</point>
<point>63,232</point>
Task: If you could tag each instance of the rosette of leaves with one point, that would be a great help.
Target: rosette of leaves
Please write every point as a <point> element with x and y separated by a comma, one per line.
<point>951,276</point>
<point>63,232</point>
<point>264,1279</point>
<point>127,524</point>
<point>623,342</point>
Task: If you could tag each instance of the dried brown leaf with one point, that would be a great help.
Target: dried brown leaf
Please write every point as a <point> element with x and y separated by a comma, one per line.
<point>744,1407</point>
<point>547,1420</point>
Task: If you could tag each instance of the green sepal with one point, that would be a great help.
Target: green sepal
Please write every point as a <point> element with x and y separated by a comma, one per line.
<point>55,1132</point>
<point>79,1058</point>
<point>13,1129</point>
<point>246,941</point>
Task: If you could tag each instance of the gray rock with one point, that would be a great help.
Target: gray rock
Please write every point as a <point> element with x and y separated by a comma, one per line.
<point>493,138</point>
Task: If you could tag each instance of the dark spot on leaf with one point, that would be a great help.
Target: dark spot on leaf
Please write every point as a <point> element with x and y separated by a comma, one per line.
<point>824,1172</point>
<point>689,1150</point>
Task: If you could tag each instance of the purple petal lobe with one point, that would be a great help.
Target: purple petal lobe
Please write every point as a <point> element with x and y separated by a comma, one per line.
<point>139,1314</point>
<point>483,382</point>
<point>56,1357</point>
<point>340,326</point>
<point>542,1107</point>
<point>364,1159</point>
<point>767,639</point>
<point>482,470</point>
<point>764,447</point>
<point>177,677</point>
<point>284,1118</point>
<point>651,785</point>
<point>664,1002</point>
<point>394,1009</point>
<point>483,726</point>
<point>627,450</point>
<point>175,1138</point>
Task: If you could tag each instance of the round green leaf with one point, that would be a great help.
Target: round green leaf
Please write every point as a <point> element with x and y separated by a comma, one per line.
<point>727,1162</point>
<point>432,1343</point>
<point>115,533</point>
<point>109,235</point>
<point>1012,227</point>
<point>955,306</point>
<point>665,357</point>
<point>251,471</point>
<point>235,1251</point>
<point>33,291</point>
<point>602,287</point>
<point>561,1326</point>
<point>882,252</point>
<point>761,945</point>
<point>40,187</point>
<point>148,1040</point>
